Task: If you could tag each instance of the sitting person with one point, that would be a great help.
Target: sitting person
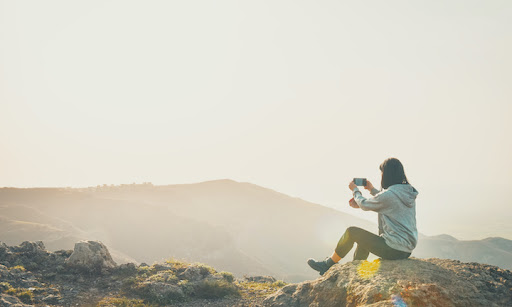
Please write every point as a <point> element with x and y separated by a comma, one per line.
<point>396,208</point>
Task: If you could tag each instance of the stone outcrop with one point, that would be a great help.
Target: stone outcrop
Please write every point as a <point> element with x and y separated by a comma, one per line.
<point>31,275</point>
<point>410,282</point>
<point>91,256</point>
<point>27,254</point>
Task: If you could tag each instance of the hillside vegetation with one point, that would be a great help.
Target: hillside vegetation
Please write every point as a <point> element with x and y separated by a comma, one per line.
<point>29,274</point>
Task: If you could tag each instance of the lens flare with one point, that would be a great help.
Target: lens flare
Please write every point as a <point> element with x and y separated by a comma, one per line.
<point>398,301</point>
<point>368,269</point>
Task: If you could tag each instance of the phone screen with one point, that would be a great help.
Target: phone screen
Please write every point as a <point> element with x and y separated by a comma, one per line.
<point>360,181</point>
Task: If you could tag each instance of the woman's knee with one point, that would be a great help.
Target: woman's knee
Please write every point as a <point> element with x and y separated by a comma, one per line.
<point>352,230</point>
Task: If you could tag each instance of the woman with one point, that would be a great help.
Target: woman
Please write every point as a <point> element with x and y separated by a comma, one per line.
<point>396,208</point>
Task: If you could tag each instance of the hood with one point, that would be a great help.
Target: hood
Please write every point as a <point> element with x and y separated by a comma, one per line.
<point>405,192</point>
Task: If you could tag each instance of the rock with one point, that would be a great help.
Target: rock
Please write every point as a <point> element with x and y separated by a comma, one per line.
<point>261,279</point>
<point>409,282</point>
<point>33,248</point>
<point>11,301</point>
<point>192,273</point>
<point>51,299</point>
<point>17,278</point>
<point>91,256</point>
<point>31,255</point>
<point>161,267</point>
<point>4,250</point>
<point>215,277</point>
<point>127,268</point>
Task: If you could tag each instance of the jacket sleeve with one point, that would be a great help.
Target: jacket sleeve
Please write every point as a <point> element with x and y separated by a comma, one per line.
<point>377,203</point>
<point>374,191</point>
<point>381,230</point>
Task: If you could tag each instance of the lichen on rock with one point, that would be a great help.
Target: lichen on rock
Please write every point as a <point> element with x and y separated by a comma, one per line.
<point>409,282</point>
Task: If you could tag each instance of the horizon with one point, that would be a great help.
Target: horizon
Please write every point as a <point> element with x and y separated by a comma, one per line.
<point>369,217</point>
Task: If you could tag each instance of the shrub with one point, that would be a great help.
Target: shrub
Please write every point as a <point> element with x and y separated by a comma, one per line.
<point>205,269</point>
<point>278,284</point>
<point>26,296</point>
<point>121,302</point>
<point>4,286</point>
<point>126,270</point>
<point>227,276</point>
<point>215,289</point>
<point>18,267</point>
<point>128,283</point>
<point>156,278</point>
<point>145,270</point>
<point>259,289</point>
<point>187,287</point>
<point>11,291</point>
<point>31,266</point>
<point>167,276</point>
<point>177,264</point>
<point>148,294</point>
<point>171,278</point>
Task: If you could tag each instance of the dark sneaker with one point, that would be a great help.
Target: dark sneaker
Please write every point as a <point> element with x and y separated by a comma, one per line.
<point>320,266</point>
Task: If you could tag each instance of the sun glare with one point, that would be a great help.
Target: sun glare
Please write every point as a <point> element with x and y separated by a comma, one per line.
<point>368,269</point>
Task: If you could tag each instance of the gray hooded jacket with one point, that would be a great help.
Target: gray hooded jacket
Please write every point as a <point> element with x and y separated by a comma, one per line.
<point>396,207</point>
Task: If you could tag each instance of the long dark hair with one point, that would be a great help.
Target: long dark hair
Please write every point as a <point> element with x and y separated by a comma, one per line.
<point>392,173</point>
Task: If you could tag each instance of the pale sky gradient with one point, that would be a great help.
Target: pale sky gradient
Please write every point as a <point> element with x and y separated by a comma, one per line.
<point>297,96</point>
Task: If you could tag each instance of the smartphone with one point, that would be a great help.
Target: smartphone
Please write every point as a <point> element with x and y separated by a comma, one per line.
<point>360,181</point>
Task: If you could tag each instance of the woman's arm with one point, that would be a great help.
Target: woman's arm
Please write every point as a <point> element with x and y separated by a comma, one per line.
<point>369,187</point>
<point>353,203</point>
<point>376,203</point>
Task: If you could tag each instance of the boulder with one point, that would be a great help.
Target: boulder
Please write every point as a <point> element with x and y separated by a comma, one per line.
<point>92,256</point>
<point>192,273</point>
<point>409,282</point>
<point>196,272</point>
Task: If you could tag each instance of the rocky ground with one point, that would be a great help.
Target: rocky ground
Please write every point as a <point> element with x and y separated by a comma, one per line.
<point>87,276</point>
<point>400,283</point>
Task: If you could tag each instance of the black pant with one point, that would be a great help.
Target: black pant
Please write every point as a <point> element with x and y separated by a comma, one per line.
<point>367,242</point>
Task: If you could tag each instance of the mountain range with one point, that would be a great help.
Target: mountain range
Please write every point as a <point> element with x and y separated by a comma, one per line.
<point>235,226</point>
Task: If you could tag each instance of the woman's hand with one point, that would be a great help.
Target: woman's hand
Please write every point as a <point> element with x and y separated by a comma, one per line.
<point>352,185</point>
<point>369,186</point>
<point>353,203</point>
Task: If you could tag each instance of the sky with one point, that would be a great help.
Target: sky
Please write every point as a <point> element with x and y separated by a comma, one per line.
<point>296,96</point>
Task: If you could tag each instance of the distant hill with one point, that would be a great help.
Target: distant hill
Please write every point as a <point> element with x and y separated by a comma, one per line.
<point>235,226</point>
<point>238,227</point>
<point>495,251</point>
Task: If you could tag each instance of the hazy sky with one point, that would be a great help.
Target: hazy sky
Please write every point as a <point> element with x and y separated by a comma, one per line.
<point>297,96</point>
